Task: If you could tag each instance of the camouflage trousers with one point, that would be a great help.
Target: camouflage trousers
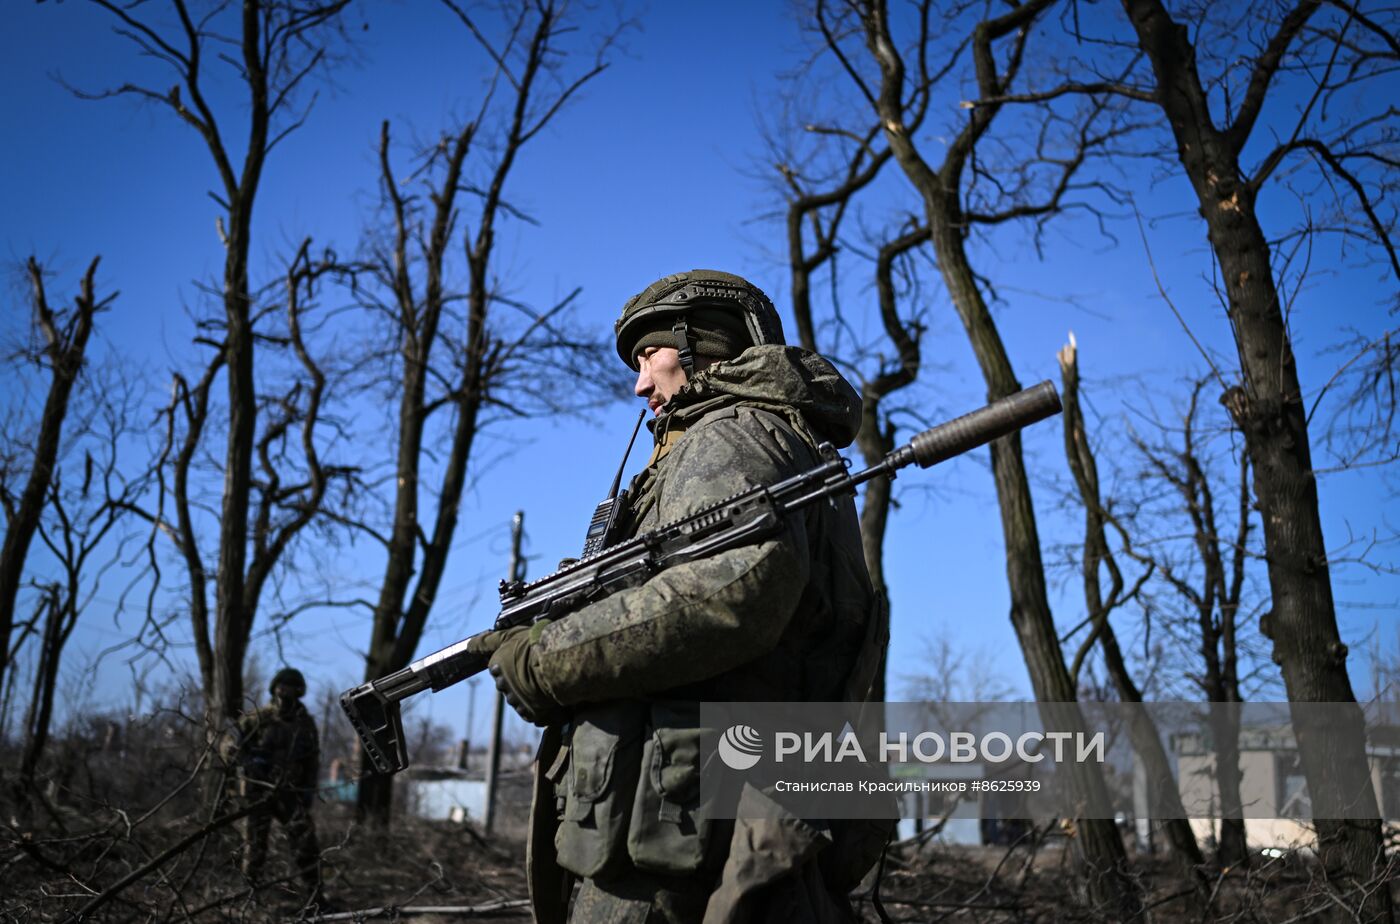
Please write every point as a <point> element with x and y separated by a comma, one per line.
<point>294,818</point>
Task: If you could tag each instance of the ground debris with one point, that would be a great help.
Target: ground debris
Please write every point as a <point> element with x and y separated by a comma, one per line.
<point>520,906</point>
<point>434,870</point>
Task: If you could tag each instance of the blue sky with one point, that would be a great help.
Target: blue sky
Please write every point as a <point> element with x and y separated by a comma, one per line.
<point>649,172</point>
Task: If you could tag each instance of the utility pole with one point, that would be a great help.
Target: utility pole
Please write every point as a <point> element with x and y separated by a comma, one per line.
<point>493,759</point>
<point>464,762</point>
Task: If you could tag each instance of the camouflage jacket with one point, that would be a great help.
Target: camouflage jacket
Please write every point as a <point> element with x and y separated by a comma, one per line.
<point>780,620</point>
<point>277,749</point>
<point>791,618</point>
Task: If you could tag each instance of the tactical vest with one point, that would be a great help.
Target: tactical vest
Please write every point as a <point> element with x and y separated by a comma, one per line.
<point>277,749</point>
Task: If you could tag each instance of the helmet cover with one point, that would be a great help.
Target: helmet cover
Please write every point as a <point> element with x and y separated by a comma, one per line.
<point>673,298</point>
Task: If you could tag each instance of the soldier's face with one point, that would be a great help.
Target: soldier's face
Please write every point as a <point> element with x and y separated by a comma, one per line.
<point>284,695</point>
<point>659,376</point>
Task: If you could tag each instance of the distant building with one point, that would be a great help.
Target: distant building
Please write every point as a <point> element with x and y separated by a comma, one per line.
<point>445,794</point>
<point>1273,788</point>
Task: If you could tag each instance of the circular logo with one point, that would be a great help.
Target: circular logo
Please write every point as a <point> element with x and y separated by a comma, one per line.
<point>740,747</point>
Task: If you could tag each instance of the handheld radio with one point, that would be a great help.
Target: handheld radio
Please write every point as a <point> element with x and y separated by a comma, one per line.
<point>604,522</point>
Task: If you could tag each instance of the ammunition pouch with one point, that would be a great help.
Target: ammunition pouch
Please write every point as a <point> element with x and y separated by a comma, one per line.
<point>631,790</point>
<point>597,787</point>
<point>669,832</point>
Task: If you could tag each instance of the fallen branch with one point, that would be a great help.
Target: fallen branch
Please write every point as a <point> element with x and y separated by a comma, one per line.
<point>462,911</point>
<point>160,859</point>
<point>958,906</point>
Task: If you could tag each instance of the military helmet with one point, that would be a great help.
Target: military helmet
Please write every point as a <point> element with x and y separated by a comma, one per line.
<point>671,300</point>
<point>291,677</point>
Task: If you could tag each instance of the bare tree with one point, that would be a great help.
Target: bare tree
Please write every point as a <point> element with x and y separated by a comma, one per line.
<point>273,49</point>
<point>1098,558</point>
<point>62,352</point>
<point>818,199</point>
<point>1210,583</point>
<point>286,494</point>
<point>877,433</point>
<point>458,354</point>
<point>950,674</point>
<point>1338,52</point>
<point>957,195</point>
<point>83,531</point>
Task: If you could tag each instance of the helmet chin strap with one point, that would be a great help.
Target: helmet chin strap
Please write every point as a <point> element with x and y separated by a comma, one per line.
<point>682,334</point>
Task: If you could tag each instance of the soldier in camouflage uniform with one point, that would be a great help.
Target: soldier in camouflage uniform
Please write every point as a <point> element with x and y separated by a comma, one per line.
<point>618,684</point>
<point>278,756</point>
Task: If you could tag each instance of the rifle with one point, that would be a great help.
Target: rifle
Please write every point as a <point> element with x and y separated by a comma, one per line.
<point>746,517</point>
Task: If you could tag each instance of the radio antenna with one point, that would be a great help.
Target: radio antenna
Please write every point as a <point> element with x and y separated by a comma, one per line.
<point>617,482</point>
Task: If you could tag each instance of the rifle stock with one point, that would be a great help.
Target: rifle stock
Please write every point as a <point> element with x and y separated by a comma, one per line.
<point>751,515</point>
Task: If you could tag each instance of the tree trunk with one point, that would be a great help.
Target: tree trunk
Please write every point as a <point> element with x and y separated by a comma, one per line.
<point>400,616</point>
<point>374,795</point>
<point>232,624</point>
<point>1165,808</point>
<point>1234,848</point>
<point>398,627</point>
<point>875,441</point>
<point>65,350</point>
<point>40,711</point>
<point>1269,411</point>
<point>874,516</point>
<point>1110,889</point>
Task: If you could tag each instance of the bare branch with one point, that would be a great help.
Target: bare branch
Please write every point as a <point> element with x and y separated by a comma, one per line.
<point>1265,66</point>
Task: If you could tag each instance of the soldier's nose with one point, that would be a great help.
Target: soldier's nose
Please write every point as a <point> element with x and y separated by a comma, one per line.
<point>644,385</point>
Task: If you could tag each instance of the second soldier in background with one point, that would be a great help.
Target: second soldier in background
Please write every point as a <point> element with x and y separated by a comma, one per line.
<point>278,756</point>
